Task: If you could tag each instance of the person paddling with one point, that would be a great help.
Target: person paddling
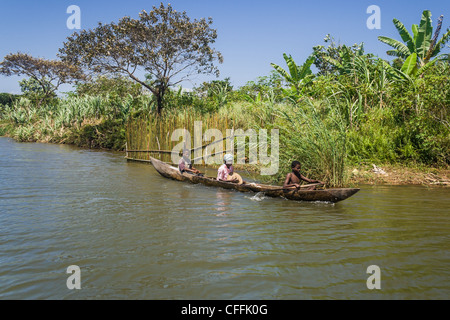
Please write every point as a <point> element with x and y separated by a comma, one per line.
<point>185,165</point>
<point>294,178</point>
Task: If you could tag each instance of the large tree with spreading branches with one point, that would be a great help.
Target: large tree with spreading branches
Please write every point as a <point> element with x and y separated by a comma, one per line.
<point>164,43</point>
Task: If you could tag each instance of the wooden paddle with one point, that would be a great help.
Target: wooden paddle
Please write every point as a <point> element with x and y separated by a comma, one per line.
<point>301,187</point>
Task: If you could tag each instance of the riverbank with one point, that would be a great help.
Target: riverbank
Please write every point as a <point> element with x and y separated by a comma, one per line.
<point>387,174</point>
<point>400,175</point>
<point>98,134</point>
<point>395,174</point>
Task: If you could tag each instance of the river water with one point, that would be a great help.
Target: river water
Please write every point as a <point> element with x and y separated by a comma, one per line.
<point>137,235</point>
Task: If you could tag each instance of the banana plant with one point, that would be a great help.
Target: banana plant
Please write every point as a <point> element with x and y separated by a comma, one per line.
<point>421,46</point>
<point>347,56</point>
<point>297,76</point>
<point>220,94</point>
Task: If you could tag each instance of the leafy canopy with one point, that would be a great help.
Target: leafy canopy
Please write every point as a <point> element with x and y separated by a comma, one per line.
<point>165,43</point>
<point>47,74</point>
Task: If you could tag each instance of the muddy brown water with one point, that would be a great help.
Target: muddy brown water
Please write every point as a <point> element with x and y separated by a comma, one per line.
<point>137,235</point>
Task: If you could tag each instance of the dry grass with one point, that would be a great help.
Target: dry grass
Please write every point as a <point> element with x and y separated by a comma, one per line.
<point>401,175</point>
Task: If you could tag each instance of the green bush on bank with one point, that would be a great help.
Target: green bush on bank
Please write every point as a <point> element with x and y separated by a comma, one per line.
<point>109,134</point>
<point>8,98</point>
<point>91,121</point>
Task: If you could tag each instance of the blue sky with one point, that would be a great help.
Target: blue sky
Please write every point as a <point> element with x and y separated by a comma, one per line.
<point>251,33</point>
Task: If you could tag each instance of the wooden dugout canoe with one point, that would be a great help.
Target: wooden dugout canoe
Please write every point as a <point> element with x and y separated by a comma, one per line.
<point>328,195</point>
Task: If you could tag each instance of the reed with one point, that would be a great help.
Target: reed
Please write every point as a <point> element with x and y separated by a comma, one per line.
<point>317,138</point>
<point>155,132</point>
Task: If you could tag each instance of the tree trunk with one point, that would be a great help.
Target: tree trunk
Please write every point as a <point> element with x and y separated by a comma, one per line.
<point>39,102</point>
<point>160,99</point>
<point>159,103</point>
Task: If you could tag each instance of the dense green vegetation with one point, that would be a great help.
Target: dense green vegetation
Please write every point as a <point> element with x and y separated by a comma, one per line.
<point>341,107</point>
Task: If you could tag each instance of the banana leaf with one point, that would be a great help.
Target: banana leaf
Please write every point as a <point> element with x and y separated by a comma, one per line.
<point>406,37</point>
<point>424,35</point>
<point>410,66</point>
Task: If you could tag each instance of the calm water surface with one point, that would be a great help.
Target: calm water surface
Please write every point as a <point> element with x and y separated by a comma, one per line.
<point>136,235</point>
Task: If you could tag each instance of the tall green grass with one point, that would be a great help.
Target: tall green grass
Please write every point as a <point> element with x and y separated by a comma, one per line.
<point>314,133</point>
<point>79,120</point>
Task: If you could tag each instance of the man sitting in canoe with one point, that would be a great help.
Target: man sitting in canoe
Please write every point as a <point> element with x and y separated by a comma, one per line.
<point>294,178</point>
<point>185,165</point>
<point>226,171</point>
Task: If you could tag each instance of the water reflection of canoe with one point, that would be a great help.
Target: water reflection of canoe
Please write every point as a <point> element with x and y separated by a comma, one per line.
<point>328,195</point>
